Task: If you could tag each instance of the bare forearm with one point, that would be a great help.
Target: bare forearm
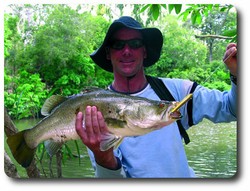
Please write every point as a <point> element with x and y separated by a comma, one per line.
<point>107,160</point>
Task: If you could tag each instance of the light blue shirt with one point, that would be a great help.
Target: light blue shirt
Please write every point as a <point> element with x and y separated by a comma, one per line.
<point>161,154</point>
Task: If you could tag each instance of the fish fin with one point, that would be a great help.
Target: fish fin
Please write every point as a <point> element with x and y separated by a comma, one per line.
<point>20,150</point>
<point>52,147</point>
<point>109,140</point>
<point>118,143</point>
<point>51,103</point>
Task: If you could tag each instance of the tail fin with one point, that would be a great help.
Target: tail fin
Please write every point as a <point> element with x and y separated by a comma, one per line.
<point>20,150</point>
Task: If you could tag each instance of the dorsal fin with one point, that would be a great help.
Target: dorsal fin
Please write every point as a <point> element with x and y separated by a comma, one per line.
<point>52,103</point>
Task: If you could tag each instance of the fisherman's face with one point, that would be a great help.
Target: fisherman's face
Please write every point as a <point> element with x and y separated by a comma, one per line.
<point>127,52</point>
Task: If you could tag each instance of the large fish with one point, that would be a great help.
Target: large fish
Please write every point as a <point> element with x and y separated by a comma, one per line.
<point>124,115</point>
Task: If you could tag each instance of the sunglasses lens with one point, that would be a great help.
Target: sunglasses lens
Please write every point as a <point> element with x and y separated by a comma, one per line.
<point>118,45</point>
<point>136,43</point>
<point>133,44</point>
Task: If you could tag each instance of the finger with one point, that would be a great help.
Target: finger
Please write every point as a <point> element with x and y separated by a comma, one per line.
<point>231,45</point>
<point>230,53</point>
<point>88,122</point>
<point>95,123</point>
<point>79,126</point>
<point>102,124</point>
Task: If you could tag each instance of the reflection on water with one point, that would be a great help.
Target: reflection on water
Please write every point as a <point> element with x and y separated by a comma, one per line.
<point>212,153</point>
<point>72,167</point>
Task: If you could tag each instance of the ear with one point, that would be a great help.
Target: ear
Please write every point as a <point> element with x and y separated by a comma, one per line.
<point>107,53</point>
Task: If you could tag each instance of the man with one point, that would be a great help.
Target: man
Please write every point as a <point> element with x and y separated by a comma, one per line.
<point>126,50</point>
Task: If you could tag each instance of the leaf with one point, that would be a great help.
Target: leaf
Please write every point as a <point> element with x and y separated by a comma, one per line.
<point>144,8</point>
<point>164,6</point>
<point>69,152</point>
<point>209,7</point>
<point>193,17</point>
<point>170,8</point>
<point>184,15</point>
<point>230,33</point>
<point>78,151</point>
<point>155,10</point>
<point>178,8</point>
<point>198,18</point>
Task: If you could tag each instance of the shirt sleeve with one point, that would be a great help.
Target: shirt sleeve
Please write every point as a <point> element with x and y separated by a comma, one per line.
<point>214,105</point>
<point>101,172</point>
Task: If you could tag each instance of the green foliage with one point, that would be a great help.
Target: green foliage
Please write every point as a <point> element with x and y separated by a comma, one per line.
<point>218,77</point>
<point>153,10</point>
<point>180,49</point>
<point>60,48</point>
<point>48,53</point>
<point>7,35</point>
<point>24,95</point>
<point>177,8</point>
<point>196,12</point>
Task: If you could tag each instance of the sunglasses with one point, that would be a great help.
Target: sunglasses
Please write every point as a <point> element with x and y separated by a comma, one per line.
<point>132,43</point>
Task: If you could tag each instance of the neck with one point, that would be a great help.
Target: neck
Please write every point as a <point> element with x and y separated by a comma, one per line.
<point>129,84</point>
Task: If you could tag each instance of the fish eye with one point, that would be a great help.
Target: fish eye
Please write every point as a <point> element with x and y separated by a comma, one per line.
<point>161,105</point>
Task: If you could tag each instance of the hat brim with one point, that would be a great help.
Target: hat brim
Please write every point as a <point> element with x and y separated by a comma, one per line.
<point>153,41</point>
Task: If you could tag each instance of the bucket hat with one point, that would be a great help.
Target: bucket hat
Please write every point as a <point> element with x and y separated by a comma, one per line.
<point>152,39</point>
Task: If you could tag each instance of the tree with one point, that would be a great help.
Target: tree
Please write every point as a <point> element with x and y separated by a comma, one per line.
<point>10,129</point>
<point>180,49</point>
<point>55,41</point>
<point>59,49</point>
<point>7,36</point>
<point>25,97</point>
<point>213,27</point>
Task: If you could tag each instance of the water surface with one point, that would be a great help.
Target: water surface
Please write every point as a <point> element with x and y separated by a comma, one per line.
<point>212,153</point>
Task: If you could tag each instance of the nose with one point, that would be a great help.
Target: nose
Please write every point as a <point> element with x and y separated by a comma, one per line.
<point>126,50</point>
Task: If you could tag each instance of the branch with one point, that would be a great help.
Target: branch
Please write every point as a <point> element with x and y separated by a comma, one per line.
<point>9,167</point>
<point>10,129</point>
<point>213,36</point>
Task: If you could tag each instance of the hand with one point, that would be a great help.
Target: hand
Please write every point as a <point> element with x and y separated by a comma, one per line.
<point>230,58</point>
<point>90,130</point>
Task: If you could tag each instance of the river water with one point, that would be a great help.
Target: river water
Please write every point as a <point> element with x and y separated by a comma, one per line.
<point>212,153</point>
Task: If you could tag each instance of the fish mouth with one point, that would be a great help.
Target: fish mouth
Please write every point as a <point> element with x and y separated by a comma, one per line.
<point>175,115</point>
<point>172,115</point>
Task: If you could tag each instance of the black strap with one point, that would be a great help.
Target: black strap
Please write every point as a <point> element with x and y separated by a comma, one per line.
<point>190,106</point>
<point>164,94</point>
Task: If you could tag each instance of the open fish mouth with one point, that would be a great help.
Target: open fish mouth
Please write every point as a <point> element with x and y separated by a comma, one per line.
<point>175,115</point>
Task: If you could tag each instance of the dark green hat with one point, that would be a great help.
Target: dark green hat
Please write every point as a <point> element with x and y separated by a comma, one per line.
<point>152,38</point>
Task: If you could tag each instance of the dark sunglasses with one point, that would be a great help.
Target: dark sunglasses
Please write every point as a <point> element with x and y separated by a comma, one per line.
<point>132,43</point>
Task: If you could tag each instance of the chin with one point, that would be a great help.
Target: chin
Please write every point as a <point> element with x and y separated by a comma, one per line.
<point>129,73</point>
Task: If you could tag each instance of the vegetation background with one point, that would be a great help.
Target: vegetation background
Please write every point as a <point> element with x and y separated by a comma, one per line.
<point>47,47</point>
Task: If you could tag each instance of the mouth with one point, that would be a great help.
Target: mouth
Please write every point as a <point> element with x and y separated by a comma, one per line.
<point>127,62</point>
<point>175,115</point>
<point>172,113</point>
